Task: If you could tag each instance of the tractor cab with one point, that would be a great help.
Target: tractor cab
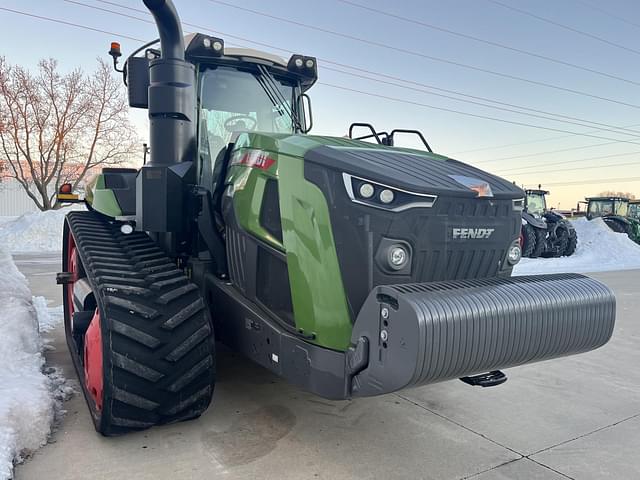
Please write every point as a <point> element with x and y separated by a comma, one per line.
<point>238,90</point>
<point>606,207</point>
<point>536,203</point>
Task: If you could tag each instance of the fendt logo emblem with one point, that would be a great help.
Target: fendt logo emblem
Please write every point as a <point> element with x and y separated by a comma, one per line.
<point>475,233</point>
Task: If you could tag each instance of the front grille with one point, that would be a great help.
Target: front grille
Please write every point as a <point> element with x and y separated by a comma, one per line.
<point>360,230</point>
<point>435,265</point>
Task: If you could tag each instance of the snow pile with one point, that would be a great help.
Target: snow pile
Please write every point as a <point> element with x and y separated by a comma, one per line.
<point>599,249</point>
<point>27,405</point>
<point>34,232</point>
<point>48,317</point>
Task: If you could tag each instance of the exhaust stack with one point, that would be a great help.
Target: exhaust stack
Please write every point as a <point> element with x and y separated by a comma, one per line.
<point>162,181</point>
<point>168,24</point>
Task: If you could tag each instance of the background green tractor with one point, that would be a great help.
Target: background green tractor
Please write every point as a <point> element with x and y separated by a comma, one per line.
<point>545,232</point>
<point>615,213</point>
<point>348,268</point>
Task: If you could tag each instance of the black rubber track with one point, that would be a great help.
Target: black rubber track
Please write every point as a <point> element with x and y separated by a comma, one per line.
<point>158,345</point>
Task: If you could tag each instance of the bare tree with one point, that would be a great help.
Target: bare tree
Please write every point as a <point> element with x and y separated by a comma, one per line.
<point>55,128</point>
<point>612,193</point>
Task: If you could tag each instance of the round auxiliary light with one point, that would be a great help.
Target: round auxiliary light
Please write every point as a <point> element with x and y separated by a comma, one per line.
<point>217,46</point>
<point>398,257</point>
<point>299,63</point>
<point>386,196</point>
<point>309,63</point>
<point>366,190</point>
<point>126,228</point>
<point>515,253</point>
<point>206,42</point>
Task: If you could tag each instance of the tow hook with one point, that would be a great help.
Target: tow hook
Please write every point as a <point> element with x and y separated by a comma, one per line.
<point>491,379</point>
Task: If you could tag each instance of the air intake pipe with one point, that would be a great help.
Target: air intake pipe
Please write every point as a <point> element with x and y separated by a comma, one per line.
<point>160,193</point>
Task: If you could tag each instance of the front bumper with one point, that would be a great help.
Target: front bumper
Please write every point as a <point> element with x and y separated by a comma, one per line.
<point>416,334</point>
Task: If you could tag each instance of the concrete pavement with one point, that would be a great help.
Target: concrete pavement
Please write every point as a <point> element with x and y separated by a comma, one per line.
<point>571,418</point>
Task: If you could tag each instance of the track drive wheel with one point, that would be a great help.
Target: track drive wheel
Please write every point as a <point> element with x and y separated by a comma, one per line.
<point>141,341</point>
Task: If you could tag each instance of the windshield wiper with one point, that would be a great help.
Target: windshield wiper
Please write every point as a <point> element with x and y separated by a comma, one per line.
<point>268,84</point>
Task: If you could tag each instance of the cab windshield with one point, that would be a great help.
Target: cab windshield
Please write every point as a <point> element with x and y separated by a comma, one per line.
<point>601,208</point>
<point>536,204</point>
<point>233,101</point>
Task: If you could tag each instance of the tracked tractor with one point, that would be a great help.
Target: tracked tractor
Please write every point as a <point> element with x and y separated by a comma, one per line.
<point>545,233</point>
<point>614,211</point>
<point>348,268</point>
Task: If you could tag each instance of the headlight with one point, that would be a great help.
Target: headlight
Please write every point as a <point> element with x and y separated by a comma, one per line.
<point>386,196</point>
<point>515,253</point>
<point>378,195</point>
<point>366,190</point>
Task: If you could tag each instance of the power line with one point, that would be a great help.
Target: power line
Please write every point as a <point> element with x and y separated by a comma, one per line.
<point>634,134</point>
<point>450,110</point>
<point>566,27</point>
<point>359,91</point>
<point>538,154</point>
<point>85,27</point>
<point>487,42</point>
<point>608,13</point>
<point>71,24</point>
<point>540,140</point>
<point>594,181</point>
<point>466,95</point>
<point>565,162</point>
<point>610,128</point>
<point>422,55</point>
<point>538,172</point>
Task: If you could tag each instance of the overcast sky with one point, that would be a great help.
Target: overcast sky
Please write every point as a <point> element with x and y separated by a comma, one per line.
<point>591,34</point>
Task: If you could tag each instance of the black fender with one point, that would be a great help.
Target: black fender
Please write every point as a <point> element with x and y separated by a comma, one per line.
<point>617,218</point>
<point>533,221</point>
<point>553,217</point>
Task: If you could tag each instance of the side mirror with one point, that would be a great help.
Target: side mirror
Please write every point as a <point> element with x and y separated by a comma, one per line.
<point>137,76</point>
<point>305,102</point>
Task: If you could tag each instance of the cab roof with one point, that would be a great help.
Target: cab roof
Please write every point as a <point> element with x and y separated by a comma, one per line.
<point>624,199</point>
<point>248,53</point>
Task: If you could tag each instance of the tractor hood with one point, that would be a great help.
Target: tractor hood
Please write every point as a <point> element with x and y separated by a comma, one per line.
<point>416,172</point>
<point>412,170</point>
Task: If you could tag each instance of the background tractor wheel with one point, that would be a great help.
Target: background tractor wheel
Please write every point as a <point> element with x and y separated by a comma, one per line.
<point>533,240</point>
<point>144,349</point>
<point>572,243</point>
<point>557,243</point>
<point>527,240</point>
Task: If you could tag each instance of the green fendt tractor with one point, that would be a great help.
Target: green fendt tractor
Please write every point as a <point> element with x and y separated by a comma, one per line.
<point>615,213</point>
<point>349,268</point>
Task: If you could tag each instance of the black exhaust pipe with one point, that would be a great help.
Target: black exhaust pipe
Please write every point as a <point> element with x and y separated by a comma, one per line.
<point>162,181</point>
<point>169,28</point>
